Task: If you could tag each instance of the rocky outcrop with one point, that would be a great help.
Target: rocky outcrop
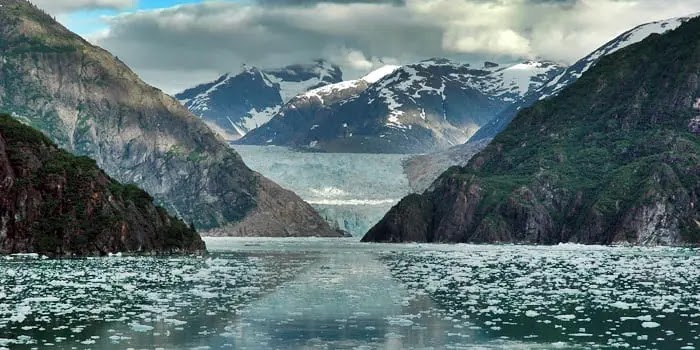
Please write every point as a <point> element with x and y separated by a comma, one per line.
<point>90,103</point>
<point>611,159</point>
<point>57,204</point>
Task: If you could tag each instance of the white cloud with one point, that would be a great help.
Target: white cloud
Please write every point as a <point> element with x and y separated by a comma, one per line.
<point>200,41</point>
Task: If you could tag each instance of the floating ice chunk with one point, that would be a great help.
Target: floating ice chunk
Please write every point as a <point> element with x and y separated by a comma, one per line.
<point>136,327</point>
<point>21,313</point>
<point>623,305</point>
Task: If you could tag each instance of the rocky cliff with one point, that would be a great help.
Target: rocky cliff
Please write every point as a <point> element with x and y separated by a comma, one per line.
<point>612,159</point>
<point>90,103</point>
<point>57,204</point>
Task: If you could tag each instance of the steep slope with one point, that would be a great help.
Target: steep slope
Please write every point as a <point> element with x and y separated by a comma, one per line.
<point>612,159</point>
<point>91,104</point>
<point>54,203</point>
<point>234,104</point>
<point>416,108</point>
<point>571,74</point>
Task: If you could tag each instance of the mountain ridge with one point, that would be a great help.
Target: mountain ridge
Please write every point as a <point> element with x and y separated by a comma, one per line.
<point>572,73</point>
<point>417,108</point>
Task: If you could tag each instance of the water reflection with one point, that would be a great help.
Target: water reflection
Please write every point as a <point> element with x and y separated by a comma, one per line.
<point>350,300</point>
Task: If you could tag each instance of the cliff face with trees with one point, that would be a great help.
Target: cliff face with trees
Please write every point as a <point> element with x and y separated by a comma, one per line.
<point>57,204</point>
<point>615,158</point>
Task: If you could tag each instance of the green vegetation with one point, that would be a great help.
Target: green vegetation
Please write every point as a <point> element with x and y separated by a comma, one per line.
<point>610,157</point>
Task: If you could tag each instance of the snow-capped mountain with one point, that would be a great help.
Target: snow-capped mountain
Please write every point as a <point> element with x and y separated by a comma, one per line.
<point>416,108</point>
<point>329,93</point>
<point>234,104</point>
<point>570,75</point>
<point>517,81</point>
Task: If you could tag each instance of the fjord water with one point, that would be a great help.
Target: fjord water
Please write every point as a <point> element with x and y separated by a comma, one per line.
<point>341,294</point>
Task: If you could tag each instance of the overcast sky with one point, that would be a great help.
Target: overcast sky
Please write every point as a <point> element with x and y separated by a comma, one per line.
<point>174,44</point>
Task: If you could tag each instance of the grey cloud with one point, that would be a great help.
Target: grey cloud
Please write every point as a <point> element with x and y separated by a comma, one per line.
<point>314,2</point>
<point>176,48</point>
<point>63,6</point>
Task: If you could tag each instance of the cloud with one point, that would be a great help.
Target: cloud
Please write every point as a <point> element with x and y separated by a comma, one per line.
<point>65,6</point>
<point>315,2</point>
<point>173,48</point>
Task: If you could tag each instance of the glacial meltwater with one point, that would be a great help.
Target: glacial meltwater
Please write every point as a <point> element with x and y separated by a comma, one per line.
<point>342,294</point>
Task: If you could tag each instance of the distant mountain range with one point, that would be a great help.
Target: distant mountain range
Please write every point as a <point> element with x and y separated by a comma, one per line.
<point>235,104</point>
<point>416,108</point>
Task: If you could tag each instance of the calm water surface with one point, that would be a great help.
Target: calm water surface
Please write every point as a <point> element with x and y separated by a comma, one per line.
<point>341,294</point>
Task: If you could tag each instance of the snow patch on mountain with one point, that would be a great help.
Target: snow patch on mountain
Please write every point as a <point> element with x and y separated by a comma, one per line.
<point>321,73</point>
<point>380,73</point>
<point>199,103</point>
<point>255,118</point>
<point>370,78</point>
<point>416,81</point>
<point>518,78</point>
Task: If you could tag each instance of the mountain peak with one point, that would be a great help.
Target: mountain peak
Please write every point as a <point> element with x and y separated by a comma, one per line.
<point>625,39</point>
<point>235,104</point>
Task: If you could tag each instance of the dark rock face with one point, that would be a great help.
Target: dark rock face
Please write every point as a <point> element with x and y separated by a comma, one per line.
<point>608,160</point>
<point>233,105</point>
<point>56,204</point>
<point>418,108</point>
<point>91,104</point>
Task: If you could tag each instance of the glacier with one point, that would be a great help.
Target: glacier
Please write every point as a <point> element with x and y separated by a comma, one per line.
<point>352,191</point>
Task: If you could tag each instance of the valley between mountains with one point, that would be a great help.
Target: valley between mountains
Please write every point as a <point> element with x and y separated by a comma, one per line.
<point>529,151</point>
<point>350,175</point>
